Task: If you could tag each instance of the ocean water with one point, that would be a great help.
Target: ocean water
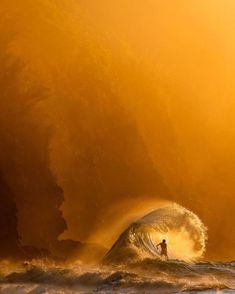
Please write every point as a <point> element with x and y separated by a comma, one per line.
<point>147,276</point>
<point>133,265</point>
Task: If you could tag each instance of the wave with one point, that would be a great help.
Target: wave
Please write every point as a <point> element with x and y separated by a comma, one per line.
<point>184,231</point>
<point>133,264</point>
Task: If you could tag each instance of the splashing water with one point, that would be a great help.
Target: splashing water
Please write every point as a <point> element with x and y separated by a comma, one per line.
<point>183,230</point>
<point>186,238</point>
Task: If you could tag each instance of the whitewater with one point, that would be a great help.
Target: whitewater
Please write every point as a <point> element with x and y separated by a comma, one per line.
<point>133,264</point>
<point>148,276</point>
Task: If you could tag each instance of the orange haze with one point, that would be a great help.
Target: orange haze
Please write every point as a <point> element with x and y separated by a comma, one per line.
<point>106,105</point>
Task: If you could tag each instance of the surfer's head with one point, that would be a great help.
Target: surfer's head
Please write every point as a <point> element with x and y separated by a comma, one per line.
<point>163,241</point>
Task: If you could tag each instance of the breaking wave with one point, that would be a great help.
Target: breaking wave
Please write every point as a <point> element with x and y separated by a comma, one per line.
<point>184,231</point>
<point>133,265</point>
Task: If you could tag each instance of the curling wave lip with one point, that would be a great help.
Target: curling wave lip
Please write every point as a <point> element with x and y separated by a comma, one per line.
<point>185,233</point>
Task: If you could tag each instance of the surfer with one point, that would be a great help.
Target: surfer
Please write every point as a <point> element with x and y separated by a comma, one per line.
<point>163,246</point>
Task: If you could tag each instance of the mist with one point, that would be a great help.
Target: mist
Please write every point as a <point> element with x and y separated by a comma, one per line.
<point>112,105</point>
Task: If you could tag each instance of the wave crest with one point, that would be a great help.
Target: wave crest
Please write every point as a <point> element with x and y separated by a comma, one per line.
<point>184,231</point>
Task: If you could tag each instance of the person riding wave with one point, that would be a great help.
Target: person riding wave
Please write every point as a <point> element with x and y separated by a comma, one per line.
<point>163,246</point>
